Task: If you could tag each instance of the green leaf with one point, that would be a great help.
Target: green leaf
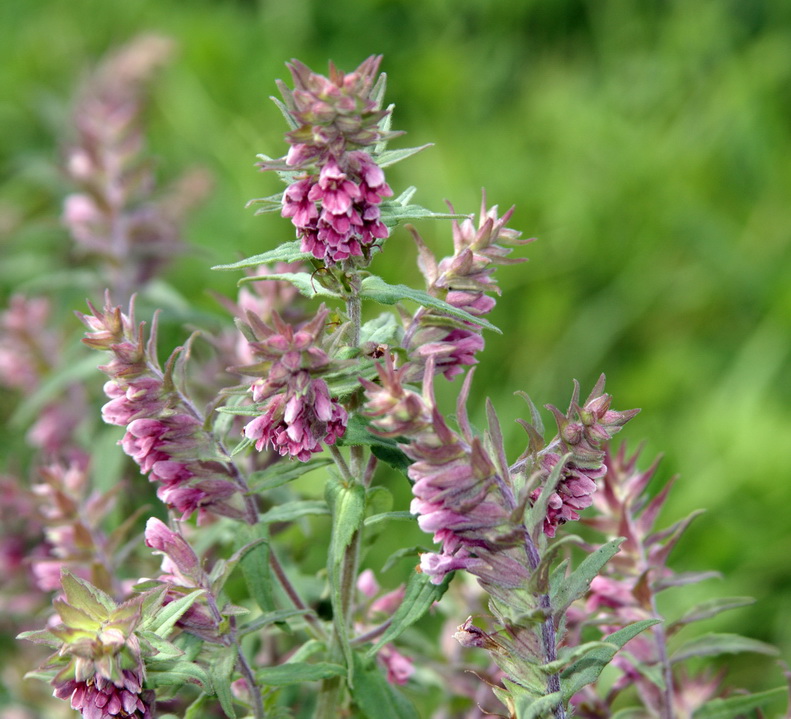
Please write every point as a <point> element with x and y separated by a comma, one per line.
<point>41,636</point>
<point>382,330</point>
<point>223,568</point>
<point>375,697</point>
<point>221,669</point>
<point>276,617</point>
<point>534,516</point>
<point>712,608</point>
<point>587,670</point>
<point>305,282</point>
<point>178,672</point>
<point>419,596</point>
<point>375,288</point>
<point>390,157</point>
<point>531,707</point>
<point>568,655</point>
<point>714,644</point>
<point>165,650</point>
<point>75,618</point>
<point>165,619</point>
<point>402,516</point>
<point>290,511</point>
<point>285,471</point>
<point>298,672</point>
<point>577,583</point>
<point>357,433</point>
<point>287,252</point>
<point>82,595</point>
<point>197,710</point>
<point>347,502</point>
<point>736,706</point>
<point>255,566</point>
<point>395,458</point>
<point>393,211</point>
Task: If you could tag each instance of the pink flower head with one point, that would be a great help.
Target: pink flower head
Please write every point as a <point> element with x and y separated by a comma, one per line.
<point>100,698</point>
<point>297,422</point>
<point>582,432</point>
<point>464,280</point>
<point>333,112</point>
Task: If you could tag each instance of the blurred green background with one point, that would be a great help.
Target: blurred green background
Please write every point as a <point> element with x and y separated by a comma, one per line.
<point>646,143</point>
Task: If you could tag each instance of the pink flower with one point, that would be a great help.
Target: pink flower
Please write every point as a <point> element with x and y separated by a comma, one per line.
<point>582,431</point>
<point>399,668</point>
<point>100,698</point>
<point>297,422</point>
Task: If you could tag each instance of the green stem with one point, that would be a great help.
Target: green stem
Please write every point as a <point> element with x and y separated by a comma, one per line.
<point>331,690</point>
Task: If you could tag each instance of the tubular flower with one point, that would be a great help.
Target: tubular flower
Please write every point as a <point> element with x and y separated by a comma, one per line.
<point>458,493</point>
<point>182,573</point>
<point>165,435</point>
<point>298,413</point>
<point>334,201</point>
<point>582,432</point>
<point>463,281</point>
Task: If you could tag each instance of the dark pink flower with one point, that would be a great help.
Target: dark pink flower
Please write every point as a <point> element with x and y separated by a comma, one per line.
<point>582,432</point>
<point>100,698</point>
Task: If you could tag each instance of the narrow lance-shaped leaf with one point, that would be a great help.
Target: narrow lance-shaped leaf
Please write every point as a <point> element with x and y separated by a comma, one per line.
<point>587,670</point>
<point>255,567</point>
<point>534,516</point>
<point>714,644</point>
<point>163,622</point>
<point>287,252</point>
<point>738,706</point>
<point>298,672</point>
<point>347,503</point>
<point>221,668</point>
<point>419,596</point>
<point>290,511</point>
<point>709,609</point>
<point>375,288</point>
<point>304,282</point>
<point>283,472</point>
<point>576,584</point>
<point>531,707</point>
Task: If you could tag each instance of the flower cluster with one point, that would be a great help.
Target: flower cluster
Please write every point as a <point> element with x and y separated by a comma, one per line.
<point>582,433</point>
<point>626,592</point>
<point>99,663</point>
<point>334,200</point>
<point>165,434</point>
<point>465,281</point>
<point>458,493</point>
<point>297,412</point>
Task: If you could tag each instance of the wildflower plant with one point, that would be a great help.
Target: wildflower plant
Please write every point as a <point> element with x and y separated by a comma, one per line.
<point>339,397</point>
